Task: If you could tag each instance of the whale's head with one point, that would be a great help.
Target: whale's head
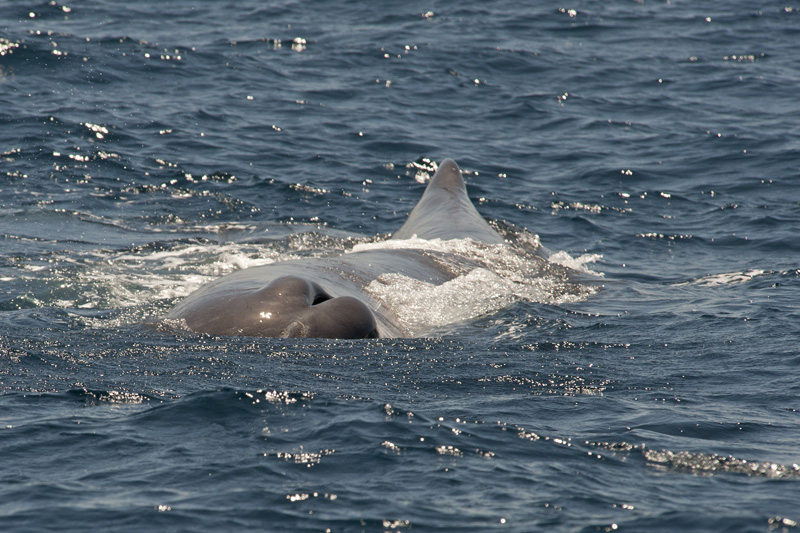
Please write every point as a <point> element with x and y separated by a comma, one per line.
<point>289,306</point>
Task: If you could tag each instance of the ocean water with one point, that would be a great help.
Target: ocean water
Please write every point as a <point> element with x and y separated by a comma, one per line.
<point>147,148</point>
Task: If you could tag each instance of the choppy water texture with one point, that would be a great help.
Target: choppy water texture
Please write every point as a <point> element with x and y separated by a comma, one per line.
<point>149,147</point>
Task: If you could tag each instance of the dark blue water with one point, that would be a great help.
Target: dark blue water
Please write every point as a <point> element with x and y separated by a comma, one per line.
<point>148,147</point>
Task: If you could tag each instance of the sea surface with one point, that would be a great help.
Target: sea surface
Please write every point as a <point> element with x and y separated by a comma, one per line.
<point>147,148</point>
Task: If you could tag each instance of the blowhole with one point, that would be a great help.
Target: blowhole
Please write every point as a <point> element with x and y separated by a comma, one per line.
<point>321,297</point>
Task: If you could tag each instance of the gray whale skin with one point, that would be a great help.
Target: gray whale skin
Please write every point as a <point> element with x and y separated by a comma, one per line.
<point>325,297</point>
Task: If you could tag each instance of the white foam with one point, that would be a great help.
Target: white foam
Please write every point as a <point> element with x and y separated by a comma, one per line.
<point>502,276</point>
<point>210,259</point>
<point>106,279</point>
<point>422,306</point>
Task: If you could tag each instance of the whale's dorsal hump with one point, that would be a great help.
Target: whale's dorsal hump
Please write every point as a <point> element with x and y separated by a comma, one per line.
<point>446,212</point>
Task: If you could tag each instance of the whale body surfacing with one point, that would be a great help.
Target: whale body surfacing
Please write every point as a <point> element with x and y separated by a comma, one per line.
<point>335,297</point>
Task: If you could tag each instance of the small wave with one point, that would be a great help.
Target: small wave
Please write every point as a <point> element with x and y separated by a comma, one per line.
<point>578,264</point>
<point>728,278</point>
<point>703,464</point>
<point>709,464</point>
<point>94,397</point>
<point>277,397</point>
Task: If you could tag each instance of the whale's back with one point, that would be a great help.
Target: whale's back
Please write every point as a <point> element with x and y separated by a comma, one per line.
<point>446,212</point>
